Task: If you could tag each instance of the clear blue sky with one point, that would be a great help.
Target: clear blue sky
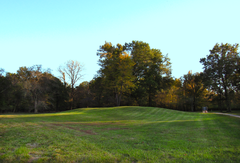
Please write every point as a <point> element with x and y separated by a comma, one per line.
<point>50,32</point>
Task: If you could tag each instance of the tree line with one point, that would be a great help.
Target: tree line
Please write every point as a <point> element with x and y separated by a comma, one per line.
<point>129,74</point>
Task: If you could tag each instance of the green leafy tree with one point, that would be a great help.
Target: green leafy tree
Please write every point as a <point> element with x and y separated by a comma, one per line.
<point>5,92</point>
<point>151,70</point>
<point>97,89</point>
<point>220,70</point>
<point>60,92</point>
<point>56,93</point>
<point>116,69</point>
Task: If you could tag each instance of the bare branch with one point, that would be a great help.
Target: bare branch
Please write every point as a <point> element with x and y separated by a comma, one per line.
<point>72,70</point>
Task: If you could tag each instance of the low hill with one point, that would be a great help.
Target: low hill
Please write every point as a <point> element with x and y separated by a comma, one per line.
<point>119,134</point>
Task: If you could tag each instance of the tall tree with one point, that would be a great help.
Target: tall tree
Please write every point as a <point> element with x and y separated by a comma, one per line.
<point>116,68</point>
<point>220,69</point>
<point>3,81</point>
<point>30,79</point>
<point>5,91</point>
<point>97,89</point>
<point>34,79</point>
<point>71,73</point>
<point>151,70</point>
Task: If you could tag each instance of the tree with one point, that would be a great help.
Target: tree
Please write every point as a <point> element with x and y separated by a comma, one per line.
<point>220,71</point>
<point>72,70</point>
<point>34,83</point>
<point>97,89</point>
<point>116,68</point>
<point>169,96</point>
<point>30,78</point>
<point>151,70</point>
<point>14,94</point>
<point>3,81</point>
<point>194,88</point>
<point>5,91</point>
<point>84,95</point>
<point>32,88</point>
<point>56,94</point>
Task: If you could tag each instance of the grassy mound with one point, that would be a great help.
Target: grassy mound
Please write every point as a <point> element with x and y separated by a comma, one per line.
<point>119,134</point>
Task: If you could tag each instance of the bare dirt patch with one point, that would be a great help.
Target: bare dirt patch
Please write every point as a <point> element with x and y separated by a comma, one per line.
<point>116,129</point>
<point>32,145</point>
<point>89,132</point>
<point>54,125</point>
<point>34,158</point>
<point>85,131</point>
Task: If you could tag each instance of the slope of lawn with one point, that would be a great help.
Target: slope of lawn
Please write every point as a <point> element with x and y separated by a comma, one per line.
<point>119,134</point>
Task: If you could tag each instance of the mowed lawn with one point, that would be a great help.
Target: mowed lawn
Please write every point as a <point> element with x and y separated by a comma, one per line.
<point>119,134</point>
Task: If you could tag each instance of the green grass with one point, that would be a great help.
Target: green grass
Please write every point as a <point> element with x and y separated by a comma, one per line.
<point>119,134</point>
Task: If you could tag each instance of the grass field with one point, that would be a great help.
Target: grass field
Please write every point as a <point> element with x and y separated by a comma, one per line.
<point>119,134</point>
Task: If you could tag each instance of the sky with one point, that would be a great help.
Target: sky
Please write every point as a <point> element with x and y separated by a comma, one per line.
<point>51,32</point>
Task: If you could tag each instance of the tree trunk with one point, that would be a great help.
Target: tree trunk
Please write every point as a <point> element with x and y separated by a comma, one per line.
<point>120,95</point>
<point>149,97</point>
<point>35,106</point>
<point>149,100</point>
<point>227,100</point>
<point>117,99</point>
<point>221,103</point>
<point>194,103</point>
<point>71,104</point>
<point>56,103</point>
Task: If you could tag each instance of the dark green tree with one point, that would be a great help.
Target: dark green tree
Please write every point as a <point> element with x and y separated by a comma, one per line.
<point>151,69</point>
<point>56,94</point>
<point>220,71</point>
<point>82,94</point>
<point>116,69</point>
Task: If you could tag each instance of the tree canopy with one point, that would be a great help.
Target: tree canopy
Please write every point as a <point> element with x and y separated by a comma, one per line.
<point>130,74</point>
<point>221,70</point>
